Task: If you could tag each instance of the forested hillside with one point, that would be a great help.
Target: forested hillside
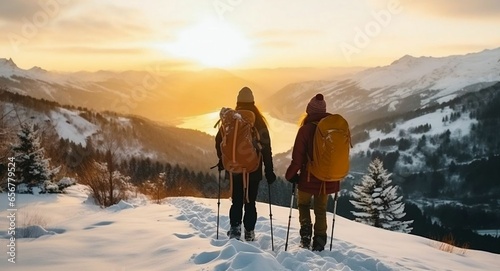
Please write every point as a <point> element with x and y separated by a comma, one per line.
<point>139,148</point>
<point>446,150</point>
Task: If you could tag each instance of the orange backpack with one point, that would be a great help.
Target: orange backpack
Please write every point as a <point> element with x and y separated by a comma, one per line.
<point>331,146</point>
<point>240,146</point>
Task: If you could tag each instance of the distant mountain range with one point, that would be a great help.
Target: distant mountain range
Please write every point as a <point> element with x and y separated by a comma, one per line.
<point>409,83</point>
<point>153,93</point>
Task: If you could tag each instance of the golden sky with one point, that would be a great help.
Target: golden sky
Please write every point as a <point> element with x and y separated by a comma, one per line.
<point>73,35</point>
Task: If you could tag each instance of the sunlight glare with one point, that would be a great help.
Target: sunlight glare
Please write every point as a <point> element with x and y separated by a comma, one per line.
<point>211,43</point>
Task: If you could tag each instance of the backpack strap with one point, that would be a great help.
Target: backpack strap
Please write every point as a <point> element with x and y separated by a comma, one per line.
<point>309,159</point>
<point>230,184</point>
<point>350,140</point>
<point>256,135</point>
<point>246,181</point>
<point>218,123</point>
<point>234,142</point>
<point>315,123</point>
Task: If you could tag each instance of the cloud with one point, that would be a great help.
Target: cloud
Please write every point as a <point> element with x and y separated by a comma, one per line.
<point>96,50</point>
<point>283,38</point>
<point>83,23</point>
<point>279,44</point>
<point>100,29</point>
<point>298,33</point>
<point>479,9</point>
<point>15,11</point>
<point>172,64</point>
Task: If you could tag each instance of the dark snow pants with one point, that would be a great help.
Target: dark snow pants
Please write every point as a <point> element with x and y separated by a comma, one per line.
<point>238,203</point>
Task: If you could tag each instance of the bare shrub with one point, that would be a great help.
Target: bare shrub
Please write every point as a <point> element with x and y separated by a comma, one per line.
<point>31,223</point>
<point>107,187</point>
<point>449,244</point>
<point>156,190</point>
<point>32,218</point>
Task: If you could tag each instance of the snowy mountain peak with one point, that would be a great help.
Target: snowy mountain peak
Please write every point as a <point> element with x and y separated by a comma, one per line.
<point>7,63</point>
<point>38,70</point>
<point>406,59</point>
<point>407,84</point>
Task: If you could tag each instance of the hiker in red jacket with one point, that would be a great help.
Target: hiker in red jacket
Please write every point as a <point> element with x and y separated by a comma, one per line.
<point>308,185</point>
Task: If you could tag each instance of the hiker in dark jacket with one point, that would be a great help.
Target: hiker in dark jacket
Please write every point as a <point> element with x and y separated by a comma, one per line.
<point>308,185</point>
<point>245,101</point>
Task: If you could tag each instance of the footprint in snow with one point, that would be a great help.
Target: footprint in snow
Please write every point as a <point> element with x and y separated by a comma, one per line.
<point>99,224</point>
<point>183,235</point>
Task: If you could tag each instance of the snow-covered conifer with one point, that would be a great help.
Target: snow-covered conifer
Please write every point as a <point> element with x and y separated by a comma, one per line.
<point>378,202</point>
<point>34,169</point>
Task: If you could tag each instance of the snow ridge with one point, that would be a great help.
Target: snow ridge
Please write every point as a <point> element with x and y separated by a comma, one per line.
<point>444,73</point>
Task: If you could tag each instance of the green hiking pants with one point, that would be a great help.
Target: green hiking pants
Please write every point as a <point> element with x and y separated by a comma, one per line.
<point>304,205</point>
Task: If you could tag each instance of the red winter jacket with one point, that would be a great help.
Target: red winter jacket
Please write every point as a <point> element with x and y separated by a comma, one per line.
<point>302,149</point>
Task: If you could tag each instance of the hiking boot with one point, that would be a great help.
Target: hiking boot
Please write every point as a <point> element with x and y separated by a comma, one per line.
<point>319,242</point>
<point>305,236</point>
<point>234,232</point>
<point>249,235</point>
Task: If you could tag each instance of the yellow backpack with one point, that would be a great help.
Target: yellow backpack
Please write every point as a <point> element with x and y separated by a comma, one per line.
<point>331,146</point>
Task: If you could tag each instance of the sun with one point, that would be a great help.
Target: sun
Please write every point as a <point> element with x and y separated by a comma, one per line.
<point>211,43</point>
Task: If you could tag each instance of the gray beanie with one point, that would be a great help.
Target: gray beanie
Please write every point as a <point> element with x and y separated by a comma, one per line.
<point>245,96</point>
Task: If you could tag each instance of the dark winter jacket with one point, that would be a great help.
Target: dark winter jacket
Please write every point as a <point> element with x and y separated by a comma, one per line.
<point>265,140</point>
<point>302,149</point>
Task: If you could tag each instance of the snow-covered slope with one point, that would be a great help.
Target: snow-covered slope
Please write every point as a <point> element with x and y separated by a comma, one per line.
<point>180,234</point>
<point>69,125</point>
<point>445,74</point>
<point>128,136</point>
<point>407,84</point>
<point>458,128</point>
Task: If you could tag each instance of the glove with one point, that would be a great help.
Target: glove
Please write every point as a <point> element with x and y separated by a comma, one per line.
<point>295,179</point>
<point>270,177</point>
<point>220,166</point>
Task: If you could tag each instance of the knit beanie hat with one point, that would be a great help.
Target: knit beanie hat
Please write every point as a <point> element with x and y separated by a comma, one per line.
<point>316,105</point>
<point>245,96</point>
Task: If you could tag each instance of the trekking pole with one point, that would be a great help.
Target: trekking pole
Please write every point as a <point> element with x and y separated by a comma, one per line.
<point>271,217</point>
<point>218,203</point>
<point>333,222</point>
<point>290,216</point>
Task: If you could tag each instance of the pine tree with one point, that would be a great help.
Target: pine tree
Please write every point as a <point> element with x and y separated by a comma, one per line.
<point>33,166</point>
<point>378,202</point>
